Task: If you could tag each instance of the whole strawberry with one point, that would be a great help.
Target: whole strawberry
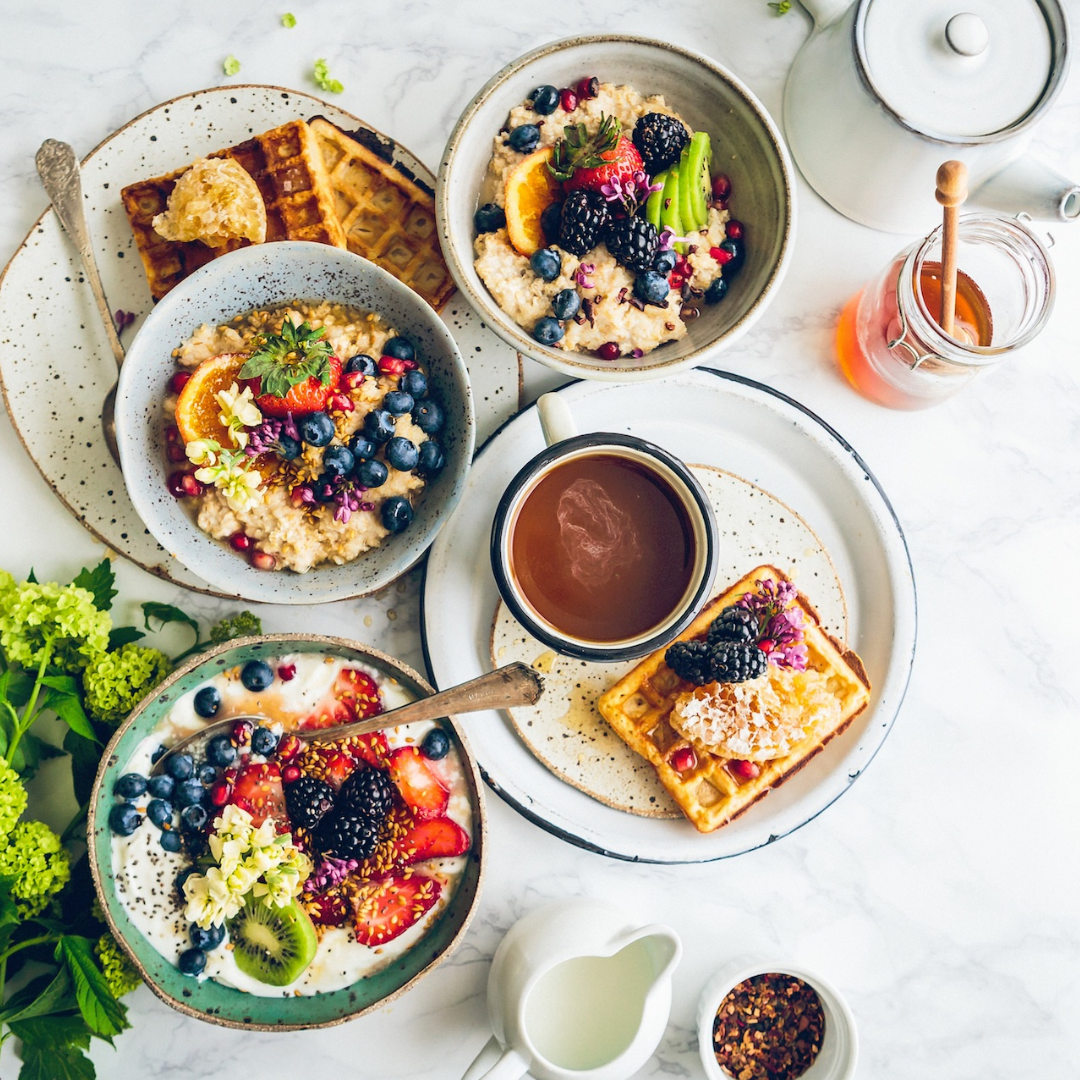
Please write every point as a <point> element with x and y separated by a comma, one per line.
<point>588,161</point>
<point>292,372</point>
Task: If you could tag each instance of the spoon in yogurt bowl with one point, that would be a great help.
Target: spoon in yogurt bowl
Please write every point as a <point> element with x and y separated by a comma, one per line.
<point>503,688</point>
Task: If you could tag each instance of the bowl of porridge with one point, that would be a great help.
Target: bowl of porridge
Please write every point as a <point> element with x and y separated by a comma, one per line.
<point>294,424</point>
<point>618,208</point>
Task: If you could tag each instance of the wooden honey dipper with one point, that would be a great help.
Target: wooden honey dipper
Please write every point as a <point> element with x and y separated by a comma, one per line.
<point>951,193</point>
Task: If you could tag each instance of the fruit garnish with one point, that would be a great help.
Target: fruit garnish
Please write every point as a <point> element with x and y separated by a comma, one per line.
<point>670,215</point>
<point>326,762</point>
<point>695,183</point>
<point>198,414</point>
<point>421,789</point>
<point>258,790</point>
<point>436,839</point>
<point>272,944</point>
<point>373,748</point>
<point>590,161</point>
<point>386,909</point>
<point>659,140</point>
<point>780,621</point>
<point>328,909</point>
<point>530,190</point>
<point>354,696</point>
<point>683,759</point>
<point>295,369</point>
<point>216,200</point>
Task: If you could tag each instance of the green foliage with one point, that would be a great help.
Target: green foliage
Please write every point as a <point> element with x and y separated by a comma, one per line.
<point>323,80</point>
<point>243,624</point>
<point>781,8</point>
<point>283,360</point>
<point>231,66</point>
<point>50,626</point>
<point>288,20</point>
<point>33,855</point>
<point>120,973</point>
<point>98,583</point>
<point>12,797</point>
<point>117,681</point>
<point>104,1015</point>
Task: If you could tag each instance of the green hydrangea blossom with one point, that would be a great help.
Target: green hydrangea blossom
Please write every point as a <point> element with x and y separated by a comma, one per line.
<point>119,971</point>
<point>33,855</point>
<point>115,682</point>
<point>62,619</point>
<point>12,797</point>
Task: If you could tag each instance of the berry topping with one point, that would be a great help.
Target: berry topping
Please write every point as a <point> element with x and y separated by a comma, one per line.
<point>124,819</point>
<point>489,218</point>
<point>402,453</point>
<point>651,287</point>
<point>170,841</point>
<point>361,364</point>
<point>391,365</point>
<point>415,383</point>
<point>338,460</point>
<point>263,560</point>
<point>398,403</point>
<point>432,460</point>
<point>568,99</point>
<point>585,216</point>
<point>745,770</point>
<point>180,766</point>
<point>546,264</point>
<point>401,348</point>
<point>683,759</point>
<point>192,961</point>
<point>220,792</point>
<point>130,786</point>
<point>263,741</point>
<point>734,624</point>
<point>548,331</point>
<point>295,371</point>
<point>290,745</point>
<point>354,696</point>
<point>721,187</point>
<point>316,429</point>
<point>735,230</point>
<point>525,138</point>
<point>258,790</point>
<point>189,793</point>
<point>308,800</point>
<point>371,473</point>
<point>587,88</point>
<point>379,426</point>
<point>589,161</point>
<point>659,140</point>
<point>160,787</point>
<point>256,675</point>
<point>633,242</point>
<point>239,542</point>
<point>716,291</point>
<point>286,672</point>
<point>290,774</point>
<point>609,351</point>
<point>387,908</point>
<point>428,416</point>
<point>368,793</point>
<point>159,811</point>
<point>544,100</point>
<point>179,381</point>
<point>421,789</point>
<point>397,514</point>
<point>208,939</point>
<point>346,834</point>
<point>440,838</point>
<point>565,304</point>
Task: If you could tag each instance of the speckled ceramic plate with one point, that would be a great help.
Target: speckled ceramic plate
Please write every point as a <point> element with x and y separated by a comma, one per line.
<point>767,440</point>
<point>55,371</point>
<point>215,1002</point>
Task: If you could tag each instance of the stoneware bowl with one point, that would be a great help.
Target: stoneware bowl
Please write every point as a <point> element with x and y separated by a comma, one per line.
<point>747,145</point>
<point>273,274</point>
<point>215,1002</point>
<point>839,1054</point>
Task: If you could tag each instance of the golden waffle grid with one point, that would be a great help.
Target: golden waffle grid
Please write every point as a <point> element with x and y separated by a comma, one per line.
<point>639,705</point>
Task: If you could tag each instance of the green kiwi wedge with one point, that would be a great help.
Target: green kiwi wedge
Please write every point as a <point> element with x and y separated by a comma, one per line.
<point>272,944</point>
<point>670,217</point>
<point>697,181</point>
<point>655,202</point>
<point>686,199</point>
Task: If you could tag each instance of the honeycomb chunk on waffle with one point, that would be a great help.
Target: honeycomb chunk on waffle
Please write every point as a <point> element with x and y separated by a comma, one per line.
<point>286,165</point>
<point>386,217</point>
<point>710,792</point>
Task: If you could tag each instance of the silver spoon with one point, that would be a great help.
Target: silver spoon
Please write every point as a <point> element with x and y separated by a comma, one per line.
<point>59,171</point>
<point>515,684</point>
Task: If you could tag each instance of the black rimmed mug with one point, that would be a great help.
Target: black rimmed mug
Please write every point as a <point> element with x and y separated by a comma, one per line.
<point>599,589</point>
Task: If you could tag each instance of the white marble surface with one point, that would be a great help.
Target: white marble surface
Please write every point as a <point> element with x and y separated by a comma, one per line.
<point>941,894</point>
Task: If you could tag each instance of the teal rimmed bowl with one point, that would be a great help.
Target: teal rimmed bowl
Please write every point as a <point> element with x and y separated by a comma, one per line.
<point>215,1002</point>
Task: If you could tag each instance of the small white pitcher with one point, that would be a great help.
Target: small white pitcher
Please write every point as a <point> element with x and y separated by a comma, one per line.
<point>577,991</point>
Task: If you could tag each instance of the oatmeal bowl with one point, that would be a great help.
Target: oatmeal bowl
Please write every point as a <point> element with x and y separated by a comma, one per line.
<point>294,424</point>
<point>617,208</point>
<point>266,878</point>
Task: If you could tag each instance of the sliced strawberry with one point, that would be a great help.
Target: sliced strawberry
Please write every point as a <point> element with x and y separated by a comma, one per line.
<point>419,786</point>
<point>328,909</point>
<point>622,161</point>
<point>436,839</point>
<point>385,909</point>
<point>354,696</point>
<point>258,790</point>
<point>372,749</point>
<point>330,764</point>
<point>308,396</point>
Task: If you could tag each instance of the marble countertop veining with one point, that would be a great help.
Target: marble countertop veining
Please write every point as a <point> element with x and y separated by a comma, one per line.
<point>941,894</point>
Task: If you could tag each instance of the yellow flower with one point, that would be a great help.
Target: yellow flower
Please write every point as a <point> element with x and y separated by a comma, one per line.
<point>238,411</point>
<point>229,475</point>
<point>203,451</point>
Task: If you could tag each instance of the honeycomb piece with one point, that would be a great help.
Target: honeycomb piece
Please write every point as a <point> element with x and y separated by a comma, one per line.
<point>215,201</point>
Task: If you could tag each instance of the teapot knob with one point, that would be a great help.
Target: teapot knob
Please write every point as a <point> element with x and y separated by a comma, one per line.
<point>966,34</point>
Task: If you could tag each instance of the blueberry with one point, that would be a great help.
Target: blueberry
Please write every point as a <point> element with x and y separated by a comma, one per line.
<point>401,348</point>
<point>124,819</point>
<point>323,487</point>
<point>316,429</point>
<point>428,416</point>
<point>362,447</point>
<point>398,403</point>
<point>738,257</point>
<point>432,459</point>
<point>379,426</point>
<point>716,291</point>
<point>208,939</point>
<point>415,383</point>
<point>192,962</point>
<point>565,304</point>
<point>548,331</point>
<point>524,139</point>
<point>551,221</point>
<point>180,766</point>
<point>397,513</point>
<point>436,744</point>
<point>160,787</point>
<point>206,773</point>
<point>194,817</point>
<point>546,264</point>
<point>545,100</point>
<point>190,793</point>
<point>208,701</point>
<point>130,786</point>
<point>402,454</point>
<point>159,811</point>
<point>489,217</point>
<point>170,840</point>
<point>290,448</point>
<point>665,261</point>
<point>651,286</point>
<point>371,473</point>
<point>220,751</point>
<point>364,364</point>
<point>338,460</point>
<point>157,755</point>
<point>256,675</point>
<point>263,741</point>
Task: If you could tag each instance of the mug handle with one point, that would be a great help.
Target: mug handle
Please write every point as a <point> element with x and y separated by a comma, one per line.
<point>556,420</point>
<point>495,1063</point>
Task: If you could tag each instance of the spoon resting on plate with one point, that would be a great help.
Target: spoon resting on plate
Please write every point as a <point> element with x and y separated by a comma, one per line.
<point>514,684</point>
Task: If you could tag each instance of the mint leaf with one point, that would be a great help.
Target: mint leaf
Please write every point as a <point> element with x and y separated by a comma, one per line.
<point>288,20</point>
<point>164,614</point>
<point>124,635</point>
<point>99,583</point>
<point>231,66</point>
<point>104,1015</point>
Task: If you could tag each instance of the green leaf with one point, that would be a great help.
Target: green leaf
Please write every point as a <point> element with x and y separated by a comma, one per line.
<point>30,753</point>
<point>165,614</point>
<point>288,20</point>
<point>104,1015</point>
<point>85,755</point>
<point>282,361</point>
<point>45,1064</point>
<point>52,1048</point>
<point>99,583</point>
<point>9,913</point>
<point>67,704</point>
<point>323,80</point>
<point>231,66</point>
<point>47,994</point>
<point>124,635</point>
<point>20,686</point>
<point>32,577</point>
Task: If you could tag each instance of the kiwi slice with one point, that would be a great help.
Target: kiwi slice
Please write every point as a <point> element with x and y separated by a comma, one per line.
<point>686,201</point>
<point>697,180</point>
<point>670,217</point>
<point>654,204</point>
<point>272,944</point>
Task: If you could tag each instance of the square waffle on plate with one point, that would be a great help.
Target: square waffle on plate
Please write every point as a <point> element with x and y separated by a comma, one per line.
<point>639,708</point>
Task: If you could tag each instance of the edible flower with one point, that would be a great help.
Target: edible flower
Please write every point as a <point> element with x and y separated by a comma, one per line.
<point>225,470</point>
<point>583,275</point>
<point>630,192</point>
<point>780,621</point>
<point>238,411</point>
<point>266,438</point>
<point>328,873</point>
<point>323,80</point>
<point>231,65</point>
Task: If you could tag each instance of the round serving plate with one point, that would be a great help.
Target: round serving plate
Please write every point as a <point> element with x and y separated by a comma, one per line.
<point>55,371</point>
<point>754,433</point>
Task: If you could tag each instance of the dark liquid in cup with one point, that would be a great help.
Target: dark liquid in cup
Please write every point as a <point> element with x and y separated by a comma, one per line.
<point>602,548</point>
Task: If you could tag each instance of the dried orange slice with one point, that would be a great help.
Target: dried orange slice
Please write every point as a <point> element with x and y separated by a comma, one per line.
<point>198,415</point>
<point>530,190</point>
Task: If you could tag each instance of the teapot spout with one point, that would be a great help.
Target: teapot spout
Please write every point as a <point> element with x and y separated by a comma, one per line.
<point>1028,185</point>
<point>826,12</point>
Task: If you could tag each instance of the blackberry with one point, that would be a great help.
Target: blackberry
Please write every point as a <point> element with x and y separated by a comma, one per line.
<point>633,242</point>
<point>585,215</point>
<point>347,835</point>
<point>737,661</point>
<point>691,660</point>
<point>659,140</point>
<point>369,793</point>
<point>308,801</point>
<point>734,624</point>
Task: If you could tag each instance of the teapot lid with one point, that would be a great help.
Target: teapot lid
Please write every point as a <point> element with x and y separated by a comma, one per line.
<point>961,69</point>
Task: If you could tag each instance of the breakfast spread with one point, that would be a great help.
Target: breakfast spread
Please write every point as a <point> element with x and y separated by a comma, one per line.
<point>281,866</point>
<point>602,229</point>
<point>301,434</point>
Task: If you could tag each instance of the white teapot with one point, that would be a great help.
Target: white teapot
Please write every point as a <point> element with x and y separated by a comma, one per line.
<point>884,91</point>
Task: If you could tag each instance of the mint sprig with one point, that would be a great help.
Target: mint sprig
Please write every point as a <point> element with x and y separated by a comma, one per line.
<point>282,361</point>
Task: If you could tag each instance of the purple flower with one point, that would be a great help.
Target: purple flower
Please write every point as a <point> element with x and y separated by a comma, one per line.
<point>629,191</point>
<point>328,873</point>
<point>123,319</point>
<point>347,496</point>
<point>264,438</point>
<point>304,493</point>
<point>780,621</point>
<point>583,275</point>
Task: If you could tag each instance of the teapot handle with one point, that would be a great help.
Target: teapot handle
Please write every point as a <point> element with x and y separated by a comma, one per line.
<point>495,1063</point>
<point>826,12</point>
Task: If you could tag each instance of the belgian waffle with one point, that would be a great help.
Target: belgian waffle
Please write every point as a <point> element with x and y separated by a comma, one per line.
<point>386,217</point>
<point>286,164</point>
<point>639,707</point>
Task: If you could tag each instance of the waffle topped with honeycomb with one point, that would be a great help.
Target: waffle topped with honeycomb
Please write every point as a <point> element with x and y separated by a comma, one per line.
<point>287,167</point>
<point>711,787</point>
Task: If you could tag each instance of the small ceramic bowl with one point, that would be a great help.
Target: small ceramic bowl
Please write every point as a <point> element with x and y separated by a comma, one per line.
<point>839,1054</point>
<point>256,276</point>
<point>212,1001</point>
<point>747,145</point>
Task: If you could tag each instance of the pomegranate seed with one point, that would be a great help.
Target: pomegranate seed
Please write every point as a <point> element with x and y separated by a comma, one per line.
<point>176,453</point>
<point>568,99</point>
<point>240,541</point>
<point>172,433</point>
<point>410,365</point>
<point>683,759</point>
<point>241,732</point>
<point>179,381</point>
<point>175,484</point>
<point>766,645</point>
<point>745,770</point>
<point>587,88</point>
<point>609,351</point>
<point>353,379</point>
<point>287,672</point>
<point>263,560</point>
<point>735,230</point>
<point>341,402</point>
<point>675,280</point>
<point>191,486</point>
<point>721,256</point>
<point>290,774</point>
<point>721,186</point>
<point>391,365</point>
<point>219,793</point>
<point>289,746</point>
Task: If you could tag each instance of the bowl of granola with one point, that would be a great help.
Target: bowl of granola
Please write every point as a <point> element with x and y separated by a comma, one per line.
<point>294,424</point>
<point>618,208</point>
